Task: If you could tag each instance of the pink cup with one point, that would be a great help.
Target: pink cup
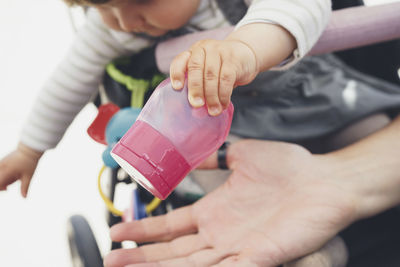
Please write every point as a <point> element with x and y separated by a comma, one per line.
<point>169,139</point>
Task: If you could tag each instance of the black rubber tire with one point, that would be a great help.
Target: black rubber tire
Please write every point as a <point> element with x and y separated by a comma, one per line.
<point>82,243</point>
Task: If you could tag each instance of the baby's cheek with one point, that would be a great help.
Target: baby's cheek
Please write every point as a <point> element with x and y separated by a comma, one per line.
<point>109,19</point>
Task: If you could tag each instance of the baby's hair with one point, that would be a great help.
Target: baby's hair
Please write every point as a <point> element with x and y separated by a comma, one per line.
<point>85,2</point>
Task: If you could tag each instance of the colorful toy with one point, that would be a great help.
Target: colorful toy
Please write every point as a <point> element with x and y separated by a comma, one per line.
<point>110,124</point>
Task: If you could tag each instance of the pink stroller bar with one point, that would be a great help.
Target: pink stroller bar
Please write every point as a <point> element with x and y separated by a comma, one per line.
<point>348,28</point>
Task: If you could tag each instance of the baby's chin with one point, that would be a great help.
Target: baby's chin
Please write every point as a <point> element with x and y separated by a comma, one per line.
<point>155,32</point>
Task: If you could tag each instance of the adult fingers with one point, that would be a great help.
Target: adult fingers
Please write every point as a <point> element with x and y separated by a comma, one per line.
<point>234,154</point>
<point>177,248</point>
<point>178,69</point>
<point>211,81</point>
<point>196,76</point>
<point>209,163</point>
<point>147,264</point>
<point>206,257</point>
<point>235,261</point>
<point>159,228</point>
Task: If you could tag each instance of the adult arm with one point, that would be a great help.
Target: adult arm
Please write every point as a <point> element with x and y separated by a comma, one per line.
<point>371,170</point>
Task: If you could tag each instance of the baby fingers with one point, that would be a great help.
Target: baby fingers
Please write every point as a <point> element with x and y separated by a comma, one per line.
<point>178,69</point>
<point>211,76</point>
<point>196,66</point>
<point>227,81</point>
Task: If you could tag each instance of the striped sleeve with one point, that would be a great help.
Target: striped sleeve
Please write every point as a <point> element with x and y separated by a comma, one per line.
<point>208,16</point>
<point>304,19</point>
<point>73,83</point>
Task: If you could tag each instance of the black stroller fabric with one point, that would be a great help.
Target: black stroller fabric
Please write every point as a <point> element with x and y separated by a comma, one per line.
<point>316,97</point>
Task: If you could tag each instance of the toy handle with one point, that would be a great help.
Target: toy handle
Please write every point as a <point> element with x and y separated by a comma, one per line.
<point>347,28</point>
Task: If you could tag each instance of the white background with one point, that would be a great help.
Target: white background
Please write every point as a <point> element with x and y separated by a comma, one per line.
<point>34,36</point>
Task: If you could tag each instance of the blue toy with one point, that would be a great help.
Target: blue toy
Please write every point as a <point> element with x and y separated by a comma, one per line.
<point>110,124</point>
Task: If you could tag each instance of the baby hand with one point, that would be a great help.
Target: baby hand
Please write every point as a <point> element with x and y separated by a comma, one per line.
<point>19,165</point>
<point>214,68</point>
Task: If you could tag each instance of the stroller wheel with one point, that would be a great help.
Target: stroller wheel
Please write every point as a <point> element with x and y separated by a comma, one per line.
<point>82,243</point>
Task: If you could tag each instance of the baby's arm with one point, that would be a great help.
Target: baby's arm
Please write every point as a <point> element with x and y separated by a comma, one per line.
<point>68,90</point>
<point>215,67</point>
<point>273,33</point>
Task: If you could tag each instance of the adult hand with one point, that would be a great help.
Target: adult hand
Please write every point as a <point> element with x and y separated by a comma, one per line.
<point>280,203</point>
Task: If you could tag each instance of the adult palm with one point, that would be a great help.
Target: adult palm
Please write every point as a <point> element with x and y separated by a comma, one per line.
<point>280,203</point>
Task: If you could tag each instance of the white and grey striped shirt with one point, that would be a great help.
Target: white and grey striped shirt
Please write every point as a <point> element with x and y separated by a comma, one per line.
<point>78,76</point>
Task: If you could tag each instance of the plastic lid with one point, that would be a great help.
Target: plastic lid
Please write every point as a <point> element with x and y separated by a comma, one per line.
<point>151,159</point>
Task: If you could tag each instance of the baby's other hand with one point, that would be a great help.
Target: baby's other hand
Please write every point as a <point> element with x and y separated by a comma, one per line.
<point>19,165</point>
<point>214,68</point>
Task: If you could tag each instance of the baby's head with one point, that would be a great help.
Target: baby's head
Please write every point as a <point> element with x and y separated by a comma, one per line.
<point>153,17</point>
